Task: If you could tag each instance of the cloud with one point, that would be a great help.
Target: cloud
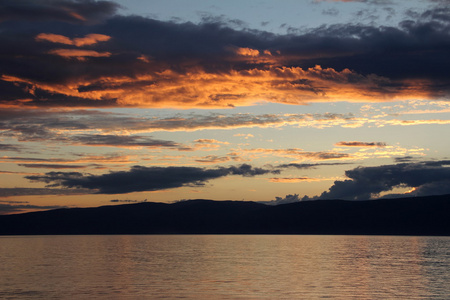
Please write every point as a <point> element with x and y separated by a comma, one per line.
<point>9,147</point>
<point>412,122</point>
<point>213,159</point>
<point>140,178</point>
<point>151,63</point>
<point>246,136</point>
<point>11,192</point>
<point>209,141</point>
<point>309,166</point>
<point>207,144</point>
<point>292,180</point>
<point>290,198</point>
<point>247,52</point>
<point>425,178</point>
<point>404,159</point>
<point>300,154</point>
<point>125,201</point>
<point>200,89</point>
<point>360,144</point>
<point>65,126</point>
<point>78,53</point>
<point>62,10</point>
<point>52,166</point>
<point>89,39</point>
<point>60,163</point>
<point>122,141</point>
<point>330,12</point>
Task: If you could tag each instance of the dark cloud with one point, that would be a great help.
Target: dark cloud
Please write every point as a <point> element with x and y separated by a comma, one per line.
<point>309,166</point>
<point>405,159</point>
<point>72,11</point>
<point>81,161</point>
<point>425,178</point>
<point>52,166</point>
<point>438,14</point>
<point>10,192</point>
<point>213,159</point>
<point>124,201</point>
<point>121,141</point>
<point>140,178</point>
<point>9,147</point>
<point>32,159</point>
<point>361,144</point>
<point>290,198</point>
<point>249,171</point>
<point>148,58</point>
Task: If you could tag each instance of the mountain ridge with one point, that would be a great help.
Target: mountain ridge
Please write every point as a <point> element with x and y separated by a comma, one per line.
<point>401,216</point>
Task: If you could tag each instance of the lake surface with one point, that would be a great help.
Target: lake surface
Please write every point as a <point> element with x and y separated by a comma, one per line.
<point>224,267</point>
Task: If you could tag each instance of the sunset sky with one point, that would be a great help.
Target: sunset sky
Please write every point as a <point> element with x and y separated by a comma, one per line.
<point>111,102</point>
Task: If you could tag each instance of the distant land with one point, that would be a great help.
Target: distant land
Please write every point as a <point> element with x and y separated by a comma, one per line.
<point>403,216</point>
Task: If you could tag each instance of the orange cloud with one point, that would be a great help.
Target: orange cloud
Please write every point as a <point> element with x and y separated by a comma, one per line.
<point>200,89</point>
<point>89,39</point>
<point>387,152</point>
<point>78,53</point>
<point>412,122</point>
<point>54,38</point>
<point>247,52</point>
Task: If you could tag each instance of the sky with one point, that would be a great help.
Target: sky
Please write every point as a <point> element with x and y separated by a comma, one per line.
<point>112,102</point>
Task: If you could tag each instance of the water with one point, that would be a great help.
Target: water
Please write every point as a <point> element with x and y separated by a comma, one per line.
<point>224,267</point>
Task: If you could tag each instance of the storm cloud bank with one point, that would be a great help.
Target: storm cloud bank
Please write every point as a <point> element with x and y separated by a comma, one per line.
<point>81,53</point>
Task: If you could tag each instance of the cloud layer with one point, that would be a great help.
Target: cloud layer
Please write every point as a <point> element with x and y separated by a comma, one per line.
<point>80,53</point>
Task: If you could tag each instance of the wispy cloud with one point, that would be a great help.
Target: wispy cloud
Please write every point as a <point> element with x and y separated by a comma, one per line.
<point>300,154</point>
<point>213,159</point>
<point>293,179</point>
<point>59,163</point>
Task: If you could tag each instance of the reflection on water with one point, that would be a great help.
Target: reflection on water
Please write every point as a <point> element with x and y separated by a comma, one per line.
<point>224,267</point>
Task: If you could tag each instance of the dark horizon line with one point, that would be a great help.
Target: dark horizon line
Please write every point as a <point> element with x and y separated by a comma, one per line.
<point>419,216</point>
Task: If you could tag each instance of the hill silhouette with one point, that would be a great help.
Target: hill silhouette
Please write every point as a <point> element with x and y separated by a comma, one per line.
<point>404,216</point>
